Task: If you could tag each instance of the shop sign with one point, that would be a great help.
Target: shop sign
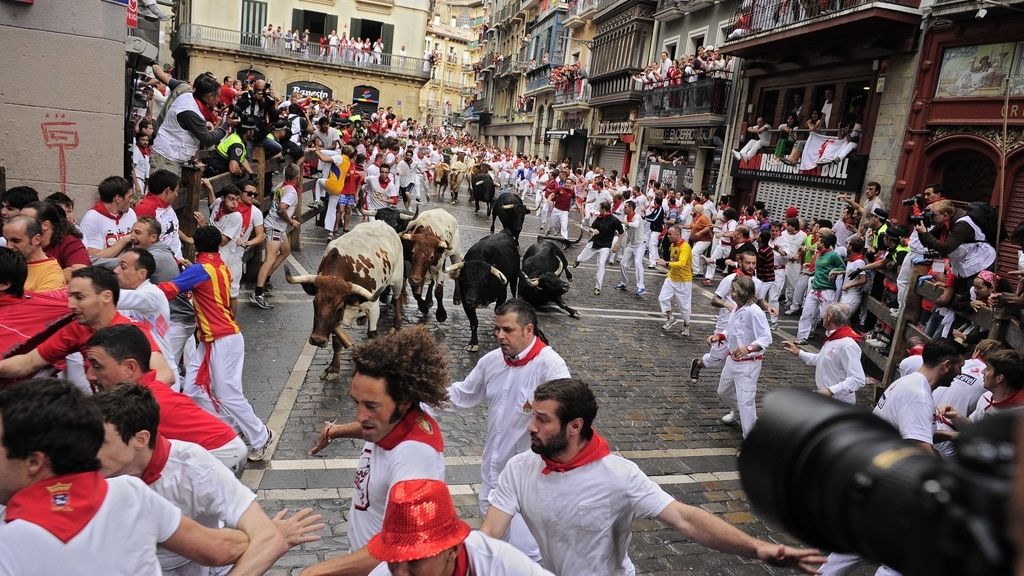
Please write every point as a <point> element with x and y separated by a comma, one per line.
<point>310,90</point>
<point>847,174</point>
<point>699,136</point>
<point>620,127</point>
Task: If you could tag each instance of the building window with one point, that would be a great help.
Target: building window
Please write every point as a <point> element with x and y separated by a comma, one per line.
<point>254,18</point>
<point>364,28</point>
<point>671,49</point>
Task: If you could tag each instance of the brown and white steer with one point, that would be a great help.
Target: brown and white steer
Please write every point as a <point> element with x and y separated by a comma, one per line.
<point>431,238</point>
<point>355,269</point>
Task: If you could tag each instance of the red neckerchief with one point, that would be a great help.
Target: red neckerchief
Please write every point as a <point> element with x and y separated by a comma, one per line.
<point>532,353</point>
<point>629,217</point>
<point>462,567</point>
<point>155,200</point>
<point>1016,400</point>
<point>915,350</point>
<point>161,452</point>
<point>246,211</point>
<point>102,209</point>
<point>596,449</point>
<point>220,212</point>
<point>415,425</point>
<point>61,505</point>
<point>843,332</point>
<point>204,110</point>
<point>145,150</point>
<point>615,205</point>
<point>385,181</point>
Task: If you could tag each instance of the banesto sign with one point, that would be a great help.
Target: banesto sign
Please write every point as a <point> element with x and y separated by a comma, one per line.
<point>847,174</point>
<point>310,90</point>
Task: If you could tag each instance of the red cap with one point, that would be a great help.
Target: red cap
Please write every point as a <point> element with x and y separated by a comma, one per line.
<point>419,522</point>
<point>792,212</point>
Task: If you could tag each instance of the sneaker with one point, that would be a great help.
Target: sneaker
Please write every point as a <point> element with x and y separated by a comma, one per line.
<point>257,454</point>
<point>260,301</point>
<point>640,293</point>
<point>737,155</point>
<point>575,263</point>
<point>269,286</point>
<point>706,282</point>
<point>773,326</point>
<point>800,342</point>
<point>875,343</point>
<point>621,286</point>
<point>695,370</point>
<point>894,312</point>
<point>153,13</point>
<point>651,267</point>
<point>792,311</point>
<point>686,331</point>
<point>729,418</point>
<point>669,323</point>
<point>597,291</point>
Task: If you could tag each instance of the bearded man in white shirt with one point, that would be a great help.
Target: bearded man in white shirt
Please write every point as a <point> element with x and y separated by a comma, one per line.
<point>580,500</point>
<point>505,379</point>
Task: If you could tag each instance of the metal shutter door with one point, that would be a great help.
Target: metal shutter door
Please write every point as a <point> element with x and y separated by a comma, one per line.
<point>1013,216</point>
<point>612,158</point>
<point>812,202</point>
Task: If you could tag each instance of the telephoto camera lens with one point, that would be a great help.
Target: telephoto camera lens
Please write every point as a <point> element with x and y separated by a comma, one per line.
<point>842,479</point>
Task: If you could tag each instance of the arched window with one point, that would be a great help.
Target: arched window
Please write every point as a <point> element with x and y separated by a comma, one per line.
<point>966,175</point>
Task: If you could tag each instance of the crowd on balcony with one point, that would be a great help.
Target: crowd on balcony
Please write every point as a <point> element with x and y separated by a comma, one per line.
<point>336,47</point>
<point>562,77</point>
<point>708,62</point>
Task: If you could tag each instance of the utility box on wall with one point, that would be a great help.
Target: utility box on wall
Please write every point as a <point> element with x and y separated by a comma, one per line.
<point>62,104</point>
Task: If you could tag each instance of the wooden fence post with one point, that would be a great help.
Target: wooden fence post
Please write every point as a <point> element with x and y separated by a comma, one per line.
<point>188,203</point>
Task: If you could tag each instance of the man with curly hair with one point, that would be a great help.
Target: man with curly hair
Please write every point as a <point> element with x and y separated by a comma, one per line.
<point>394,375</point>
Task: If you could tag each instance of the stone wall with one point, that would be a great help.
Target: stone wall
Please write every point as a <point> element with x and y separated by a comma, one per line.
<point>891,123</point>
<point>62,100</point>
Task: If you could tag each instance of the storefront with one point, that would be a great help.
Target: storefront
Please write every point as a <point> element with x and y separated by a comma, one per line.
<point>611,146</point>
<point>779,185</point>
<point>955,133</point>
<point>681,158</point>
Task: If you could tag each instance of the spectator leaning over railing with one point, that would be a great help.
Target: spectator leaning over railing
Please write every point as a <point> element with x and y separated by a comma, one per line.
<point>258,103</point>
<point>760,135</point>
<point>967,245</point>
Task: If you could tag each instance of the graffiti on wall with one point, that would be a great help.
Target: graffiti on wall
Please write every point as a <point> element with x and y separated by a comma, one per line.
<point>62,134</point>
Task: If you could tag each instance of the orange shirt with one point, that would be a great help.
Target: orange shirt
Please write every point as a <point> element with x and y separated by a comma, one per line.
<point>210,282</point>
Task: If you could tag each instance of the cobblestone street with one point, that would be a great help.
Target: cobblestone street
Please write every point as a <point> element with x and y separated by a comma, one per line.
<point>648,409</point>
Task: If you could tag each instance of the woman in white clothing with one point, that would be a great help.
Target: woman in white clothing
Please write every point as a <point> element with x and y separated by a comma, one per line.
<point>747,336</point>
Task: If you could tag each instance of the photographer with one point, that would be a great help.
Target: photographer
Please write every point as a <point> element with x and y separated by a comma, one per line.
<point>188,122</point>
<point>918,253</point>
<point>258,103</point>
<point>965,244</point>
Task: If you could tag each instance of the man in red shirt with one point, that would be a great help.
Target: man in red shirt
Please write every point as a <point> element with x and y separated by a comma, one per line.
<point>561,198</point>
<point>120,354</point>
<point>92,297</point>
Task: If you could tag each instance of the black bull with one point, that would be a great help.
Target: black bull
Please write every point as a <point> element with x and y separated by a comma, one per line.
<point>542,268</point>
<point>481,278</point>
<point>510,210</point>
<point>395,217</point>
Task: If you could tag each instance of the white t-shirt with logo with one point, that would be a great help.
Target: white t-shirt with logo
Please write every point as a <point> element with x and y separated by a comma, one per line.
<point>378,471</point>
<point>203,489</point>
<point>100,232</point>
<point>120,540</point>
<point>907,404</point>
<point>582,519</point>
<point>288,196</point>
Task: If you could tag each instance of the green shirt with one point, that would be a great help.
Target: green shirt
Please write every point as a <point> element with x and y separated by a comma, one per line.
<point>823,267</point>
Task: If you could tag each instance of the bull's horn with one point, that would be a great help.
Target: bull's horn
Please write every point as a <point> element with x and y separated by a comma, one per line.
<point>528,209</point>
<point>559,269</point>
<point>405,215</point>
<point>301,279</point>
<point>454,268</point>
<point>361,292</point>
<point>371,213</point>
<point>442,245</point>
<point>507,206</point>
<point>532,281</point>
<point>407,236</point>
<point>497,274</point>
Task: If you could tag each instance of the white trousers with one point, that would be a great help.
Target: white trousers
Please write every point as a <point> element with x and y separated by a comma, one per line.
<point>233,454</point>
<point>695,254</point>
<point>852,298</point>
<point>519,534</point>
<point>633,257</point>
<point>737,387</point>
<point>681,292</point>
<point>803,281</point>
<point>814,307</point>
<point>750,148</point>
<point>589,252</point>
<point>181,340</point>
<point>792,279</point>
<point>903,278</point>
<point>718,251</point>
<point>653,241</point>
<point>770,291</point>
<point>226,357</point>
<point>839,564</point>
<point>559,218</point>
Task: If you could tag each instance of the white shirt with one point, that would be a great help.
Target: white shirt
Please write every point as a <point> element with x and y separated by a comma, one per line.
<point>140,167</point>
<point>911,364</point>
<point>962,394</point>
<point>378,471</point>
<point>837,367</point>
<point>203,489</point>
<point>148,306</point>
<point>120,540</point>
<point>489,557</point>
<point>406,172</point>
<point>582,519</point>
<point>508,392</point>
<point>169,226</point>
<point>748,325</point>
<point>907,404</point>
<point>790,243</point>
<point>255,219</point>
<point>230,225</point>
<point>288,196</point>
<point>724,291</point>
<point>99,231</point>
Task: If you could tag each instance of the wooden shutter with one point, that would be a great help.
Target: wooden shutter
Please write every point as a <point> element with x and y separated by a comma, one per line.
<point>298,19</point>
<point>356,28</point>
<point>330,23</point>
<point>387,34</point>
<point>1012,217</point>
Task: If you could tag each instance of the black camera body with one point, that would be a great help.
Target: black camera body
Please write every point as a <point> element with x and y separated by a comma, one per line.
<point>842,479</point>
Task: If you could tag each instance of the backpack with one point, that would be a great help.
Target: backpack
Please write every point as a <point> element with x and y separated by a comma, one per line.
<point>336,175</point>
<point>987,218</point>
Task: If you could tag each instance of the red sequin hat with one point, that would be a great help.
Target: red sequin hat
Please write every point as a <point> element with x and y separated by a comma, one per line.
<point>420,522</point>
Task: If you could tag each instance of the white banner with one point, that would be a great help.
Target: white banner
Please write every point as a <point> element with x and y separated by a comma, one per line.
<point>820,149</point>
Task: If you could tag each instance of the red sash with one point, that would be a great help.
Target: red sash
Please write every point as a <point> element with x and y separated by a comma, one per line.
<point>161,452</point>
<point>416,425</point>
<point>462,567</point>
<point>61,505</point>
<point>596,449</point>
